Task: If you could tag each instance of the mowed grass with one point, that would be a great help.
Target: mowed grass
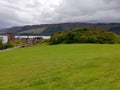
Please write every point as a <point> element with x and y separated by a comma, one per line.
<point>61,67</point>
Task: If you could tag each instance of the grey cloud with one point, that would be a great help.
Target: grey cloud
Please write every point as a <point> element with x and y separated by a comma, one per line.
<point>23,12</point>
<point>89,10</point>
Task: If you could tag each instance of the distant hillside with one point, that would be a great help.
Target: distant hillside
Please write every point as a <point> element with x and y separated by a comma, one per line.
<point>48,29</point>
<point>34,31</point>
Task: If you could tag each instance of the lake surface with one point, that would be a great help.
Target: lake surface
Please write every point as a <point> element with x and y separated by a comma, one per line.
<point>5,38</point>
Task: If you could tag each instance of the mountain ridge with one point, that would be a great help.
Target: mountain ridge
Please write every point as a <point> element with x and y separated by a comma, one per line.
<point>48,29</point>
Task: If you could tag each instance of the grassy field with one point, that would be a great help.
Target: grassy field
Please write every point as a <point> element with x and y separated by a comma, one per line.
<point>61,67</point>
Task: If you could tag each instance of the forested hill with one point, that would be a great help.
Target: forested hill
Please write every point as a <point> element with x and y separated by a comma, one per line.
<point>48,29</point>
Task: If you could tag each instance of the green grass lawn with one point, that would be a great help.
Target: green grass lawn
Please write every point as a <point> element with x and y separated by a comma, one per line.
<point>61,67</point>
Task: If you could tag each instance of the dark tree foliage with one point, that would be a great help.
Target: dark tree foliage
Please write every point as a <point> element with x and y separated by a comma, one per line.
<point>6,45</point>
<point>1,44</point>
<point>85,35</point>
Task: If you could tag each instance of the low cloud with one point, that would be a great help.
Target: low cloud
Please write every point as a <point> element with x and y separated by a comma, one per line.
<point>24,12</point>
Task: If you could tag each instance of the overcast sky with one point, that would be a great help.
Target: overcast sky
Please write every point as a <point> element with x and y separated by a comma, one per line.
<point>27,12</point>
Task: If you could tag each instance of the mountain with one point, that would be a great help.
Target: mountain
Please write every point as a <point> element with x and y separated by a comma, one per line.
<point>48,29</point>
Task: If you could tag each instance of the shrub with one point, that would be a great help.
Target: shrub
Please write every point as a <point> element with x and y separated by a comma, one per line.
<point>108,38</point>
<point>8,45</point>
<point>87,35</point>
<point>56,38</point>
<point>92,39</point>
<point>1,45</point>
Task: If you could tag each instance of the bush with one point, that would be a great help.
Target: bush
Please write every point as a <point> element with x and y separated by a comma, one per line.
<point>56,38</point>
<point>108,38</point>
<point>8,45</point>
<point>87,35</point>
<point>1,45</point>
<point>92,39</point>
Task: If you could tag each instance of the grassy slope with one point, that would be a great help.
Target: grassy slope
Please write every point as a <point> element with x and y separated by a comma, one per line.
<point>35,31</point>
<point>61,67</point>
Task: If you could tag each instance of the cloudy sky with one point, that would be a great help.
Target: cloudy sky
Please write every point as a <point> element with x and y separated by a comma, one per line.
<point>28,12</point>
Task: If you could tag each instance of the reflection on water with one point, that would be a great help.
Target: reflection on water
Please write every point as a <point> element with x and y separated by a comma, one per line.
<point>5,38</point>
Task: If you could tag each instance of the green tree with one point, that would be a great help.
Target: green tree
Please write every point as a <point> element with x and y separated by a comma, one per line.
<point>1,44</point>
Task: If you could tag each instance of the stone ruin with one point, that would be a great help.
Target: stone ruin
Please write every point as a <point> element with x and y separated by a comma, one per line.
<point>27,41</point>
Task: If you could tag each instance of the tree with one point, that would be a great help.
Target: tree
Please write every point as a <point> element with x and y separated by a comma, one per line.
<point>1,44</point>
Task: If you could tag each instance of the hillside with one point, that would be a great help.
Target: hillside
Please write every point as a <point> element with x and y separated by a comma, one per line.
<point>61,67</point>
<point>48,29</point>
<point>34,31</point>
